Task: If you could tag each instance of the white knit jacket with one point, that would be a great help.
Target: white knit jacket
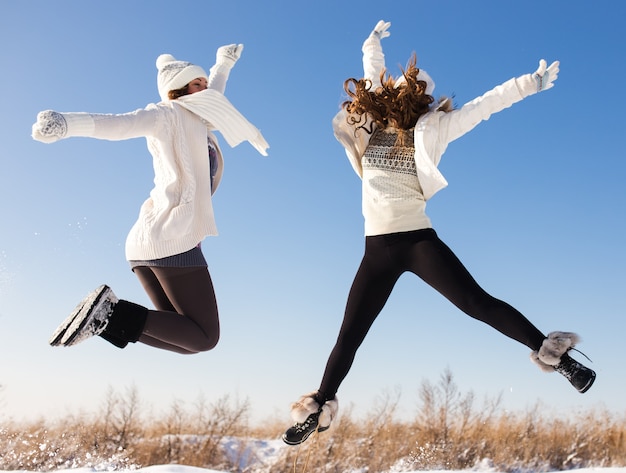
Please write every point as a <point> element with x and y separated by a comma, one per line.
<point>435,129</point>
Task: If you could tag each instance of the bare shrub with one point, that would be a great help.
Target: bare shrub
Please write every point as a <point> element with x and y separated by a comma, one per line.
<point>69,443</point>
<point>197,438</point>
<point>118,427</point>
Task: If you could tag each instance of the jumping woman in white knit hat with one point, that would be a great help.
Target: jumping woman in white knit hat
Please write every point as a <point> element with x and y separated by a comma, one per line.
<point>163,246</point>
<point>394,134</point>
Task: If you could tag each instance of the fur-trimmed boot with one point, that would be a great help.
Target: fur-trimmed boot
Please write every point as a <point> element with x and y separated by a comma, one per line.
<point>553,356</point>
<point>310,416</point>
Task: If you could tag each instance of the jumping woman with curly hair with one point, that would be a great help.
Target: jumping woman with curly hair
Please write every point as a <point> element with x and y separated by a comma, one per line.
<point>394,133</point>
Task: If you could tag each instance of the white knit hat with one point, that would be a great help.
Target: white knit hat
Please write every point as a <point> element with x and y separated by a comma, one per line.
<point>422,75</point>
<point>174,74</point>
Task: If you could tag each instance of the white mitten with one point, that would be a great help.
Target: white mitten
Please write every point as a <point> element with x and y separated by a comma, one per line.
<point>228,54</point>
<point>50,126</point>
<point>545,77</point>
<point>542,79</point>
<point>379,32</point>
<point>225,59</point>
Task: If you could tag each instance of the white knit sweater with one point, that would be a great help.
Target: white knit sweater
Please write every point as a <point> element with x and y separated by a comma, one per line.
<point>178,213</point>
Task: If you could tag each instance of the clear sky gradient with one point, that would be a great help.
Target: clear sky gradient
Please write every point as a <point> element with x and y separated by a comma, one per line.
<point>535,207</point>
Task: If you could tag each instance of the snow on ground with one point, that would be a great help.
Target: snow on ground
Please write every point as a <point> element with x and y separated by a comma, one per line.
<point>485,468</point>
<point>265,454</point>
<point>192,469</point>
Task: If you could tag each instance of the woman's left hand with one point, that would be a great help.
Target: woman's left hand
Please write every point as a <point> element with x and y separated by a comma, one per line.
<point>228,54</point>
<point>545,76</point>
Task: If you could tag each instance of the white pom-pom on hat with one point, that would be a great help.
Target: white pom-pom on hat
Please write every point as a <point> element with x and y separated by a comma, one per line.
<point>163,59</point>
<point>174,74</point>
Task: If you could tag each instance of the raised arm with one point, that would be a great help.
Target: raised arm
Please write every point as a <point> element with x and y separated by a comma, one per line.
<point>225,58</point>
<point>458,122</point>
<point>373,57</point>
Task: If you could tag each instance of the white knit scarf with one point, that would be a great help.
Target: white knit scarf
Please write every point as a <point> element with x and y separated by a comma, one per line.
<point>222,116</point>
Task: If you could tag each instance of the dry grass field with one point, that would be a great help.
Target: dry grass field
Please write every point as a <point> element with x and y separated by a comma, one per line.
<point>450,431</point>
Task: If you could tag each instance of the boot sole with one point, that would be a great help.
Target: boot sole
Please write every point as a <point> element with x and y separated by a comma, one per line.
<point>306,436</point>
<point>588,385</point>
<point>85,315</point>
<point>59,333</point>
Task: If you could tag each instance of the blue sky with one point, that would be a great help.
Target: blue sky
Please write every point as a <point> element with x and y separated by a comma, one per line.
<point>535,207</point>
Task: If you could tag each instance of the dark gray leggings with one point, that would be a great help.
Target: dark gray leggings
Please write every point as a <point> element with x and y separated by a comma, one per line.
<point>421,252</point>
<point>186,317</point>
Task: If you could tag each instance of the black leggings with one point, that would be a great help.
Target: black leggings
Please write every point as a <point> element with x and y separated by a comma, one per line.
<point>424,254</point>
<point>186,317</point>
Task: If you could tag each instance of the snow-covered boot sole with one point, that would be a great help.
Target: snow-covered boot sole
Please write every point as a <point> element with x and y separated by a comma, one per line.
<point>57,335</point>
<point>90,316</point>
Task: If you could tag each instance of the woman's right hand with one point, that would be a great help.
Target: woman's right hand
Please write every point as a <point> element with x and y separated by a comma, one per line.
<point>50,126</point>
<point>379,32</point>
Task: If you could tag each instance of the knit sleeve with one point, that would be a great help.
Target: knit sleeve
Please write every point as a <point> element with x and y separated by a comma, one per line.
<point>140,123</point>
<point>453,125</point>
<point>218,76</point>
<point>373,61</point>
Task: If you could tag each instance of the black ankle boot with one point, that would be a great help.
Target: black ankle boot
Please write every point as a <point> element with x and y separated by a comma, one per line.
<point>553,355</point>
<point>125,324</point>
<point>580,376</point>
<point>312,412</point>
<point>299,432</point>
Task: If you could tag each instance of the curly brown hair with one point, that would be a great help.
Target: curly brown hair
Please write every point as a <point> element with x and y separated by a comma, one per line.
<point>388,106</point>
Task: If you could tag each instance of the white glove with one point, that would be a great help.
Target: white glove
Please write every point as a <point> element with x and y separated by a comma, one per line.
<point>545,77</point>
<point>228,54</point>
<point>542,79</point>
<point>379,32</point>
<point>50,126</point>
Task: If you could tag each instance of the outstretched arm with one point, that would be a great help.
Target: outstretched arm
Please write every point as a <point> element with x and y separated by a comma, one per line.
<point>225,59</point>
<point>373,57</point>
<point>53,126</point>
<point>458,122</point>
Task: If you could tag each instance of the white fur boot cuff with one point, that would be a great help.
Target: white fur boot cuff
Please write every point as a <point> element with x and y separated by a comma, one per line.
<point>329,412</point>
<point>553,347</point>
<point>304,407</point>
<point>307,405</point>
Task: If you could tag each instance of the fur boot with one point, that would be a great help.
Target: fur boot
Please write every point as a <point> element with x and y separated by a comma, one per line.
<point>553,356</point>
<point>553,348</point>
<point>309,417</point>
<point>307,405</point>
